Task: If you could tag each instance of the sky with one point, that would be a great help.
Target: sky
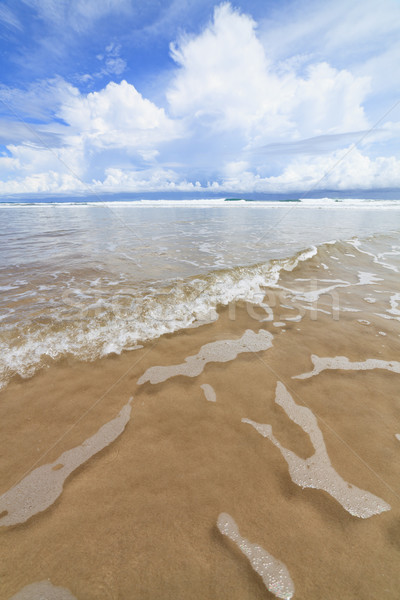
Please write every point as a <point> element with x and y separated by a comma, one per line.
<point>266,96</point>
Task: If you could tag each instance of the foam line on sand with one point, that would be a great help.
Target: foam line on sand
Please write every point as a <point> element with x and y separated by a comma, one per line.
<point>316,471</point>
<point>41,488</point>
<point>273,572</point>
<point>220,351</point>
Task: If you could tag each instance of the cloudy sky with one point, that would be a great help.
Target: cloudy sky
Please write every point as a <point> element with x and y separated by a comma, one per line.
<point>191,95</point>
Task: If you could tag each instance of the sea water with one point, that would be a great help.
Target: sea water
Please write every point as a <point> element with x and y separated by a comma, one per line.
<point>91,278</point>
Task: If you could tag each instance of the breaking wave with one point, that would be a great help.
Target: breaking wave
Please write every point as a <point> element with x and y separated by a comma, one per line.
<point>121,322</point>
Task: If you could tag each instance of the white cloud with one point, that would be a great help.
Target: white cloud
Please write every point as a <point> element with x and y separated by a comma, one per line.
<point>156,179</point>
<point>227,80</point>
<point>102,128</point>
<point>236,113</point>
<point>8,18</point>
<point>50,182</point>
<point>34,169</point>
<point>112,63</point>
<point>118,117</point>
<point>115,180</point>
<point>341,170</point>
<point>331,30</point>
<point>78,14</point>
<point>40,100</point>
<point>358,35</point>
<point>16,132</point>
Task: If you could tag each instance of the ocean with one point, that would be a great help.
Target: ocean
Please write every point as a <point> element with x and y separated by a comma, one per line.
<point>199,399</point>
<point>88,279</point>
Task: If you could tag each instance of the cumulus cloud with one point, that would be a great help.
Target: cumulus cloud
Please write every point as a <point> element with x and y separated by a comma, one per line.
<point>227,80</point>
<point>116,119</point>
<point>34,169</point>
<point>230,114</point>
<point>356,34</point>
<point>50,182</point>
<point>118,116</point>
<point>153,179</point>
<point>341,170</point>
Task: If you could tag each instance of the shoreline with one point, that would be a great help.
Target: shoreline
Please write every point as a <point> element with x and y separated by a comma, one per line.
<point>97,323</point>
<point>139,518</point>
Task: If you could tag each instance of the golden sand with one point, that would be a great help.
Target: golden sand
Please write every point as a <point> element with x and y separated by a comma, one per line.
<point>138,519</point>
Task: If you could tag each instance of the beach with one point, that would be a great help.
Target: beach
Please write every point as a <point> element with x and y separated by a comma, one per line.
<point>166,364</point>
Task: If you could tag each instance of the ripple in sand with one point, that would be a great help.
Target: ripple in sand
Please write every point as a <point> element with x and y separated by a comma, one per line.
<point>343,363</point>
<point>41,488</point>
<point>221,351</point>
<point>274,573</point>
<point>317,471</point>
<point>43,590</point>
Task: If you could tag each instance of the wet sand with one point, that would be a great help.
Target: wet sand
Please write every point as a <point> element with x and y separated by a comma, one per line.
<point>138,519</point>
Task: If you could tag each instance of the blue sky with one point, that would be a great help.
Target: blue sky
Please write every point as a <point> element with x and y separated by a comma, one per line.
<point>191,95</point>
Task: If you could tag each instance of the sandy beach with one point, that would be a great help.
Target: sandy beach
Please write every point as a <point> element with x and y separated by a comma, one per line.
<point>199,300</point>
<point>138,519</point>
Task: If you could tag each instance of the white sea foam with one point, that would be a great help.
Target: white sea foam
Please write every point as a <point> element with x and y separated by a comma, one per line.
<point>357,244</point>
<point>314,294</point>
<point>301,203</point>
<point>351,203</point>
<point>365,278</point>
<point>317,472</point>
<point>220,351</point>
<point>343,363</point>
<point>188,303</point>
<point>41,488</point>
<point>394,304</point>
<point>209,392</point>
<point>393,252</point>
<point>397,436</point>
<point>295,319</point>
<point>273,572</point>
<point>43,590</point>
<point>386,316</point>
